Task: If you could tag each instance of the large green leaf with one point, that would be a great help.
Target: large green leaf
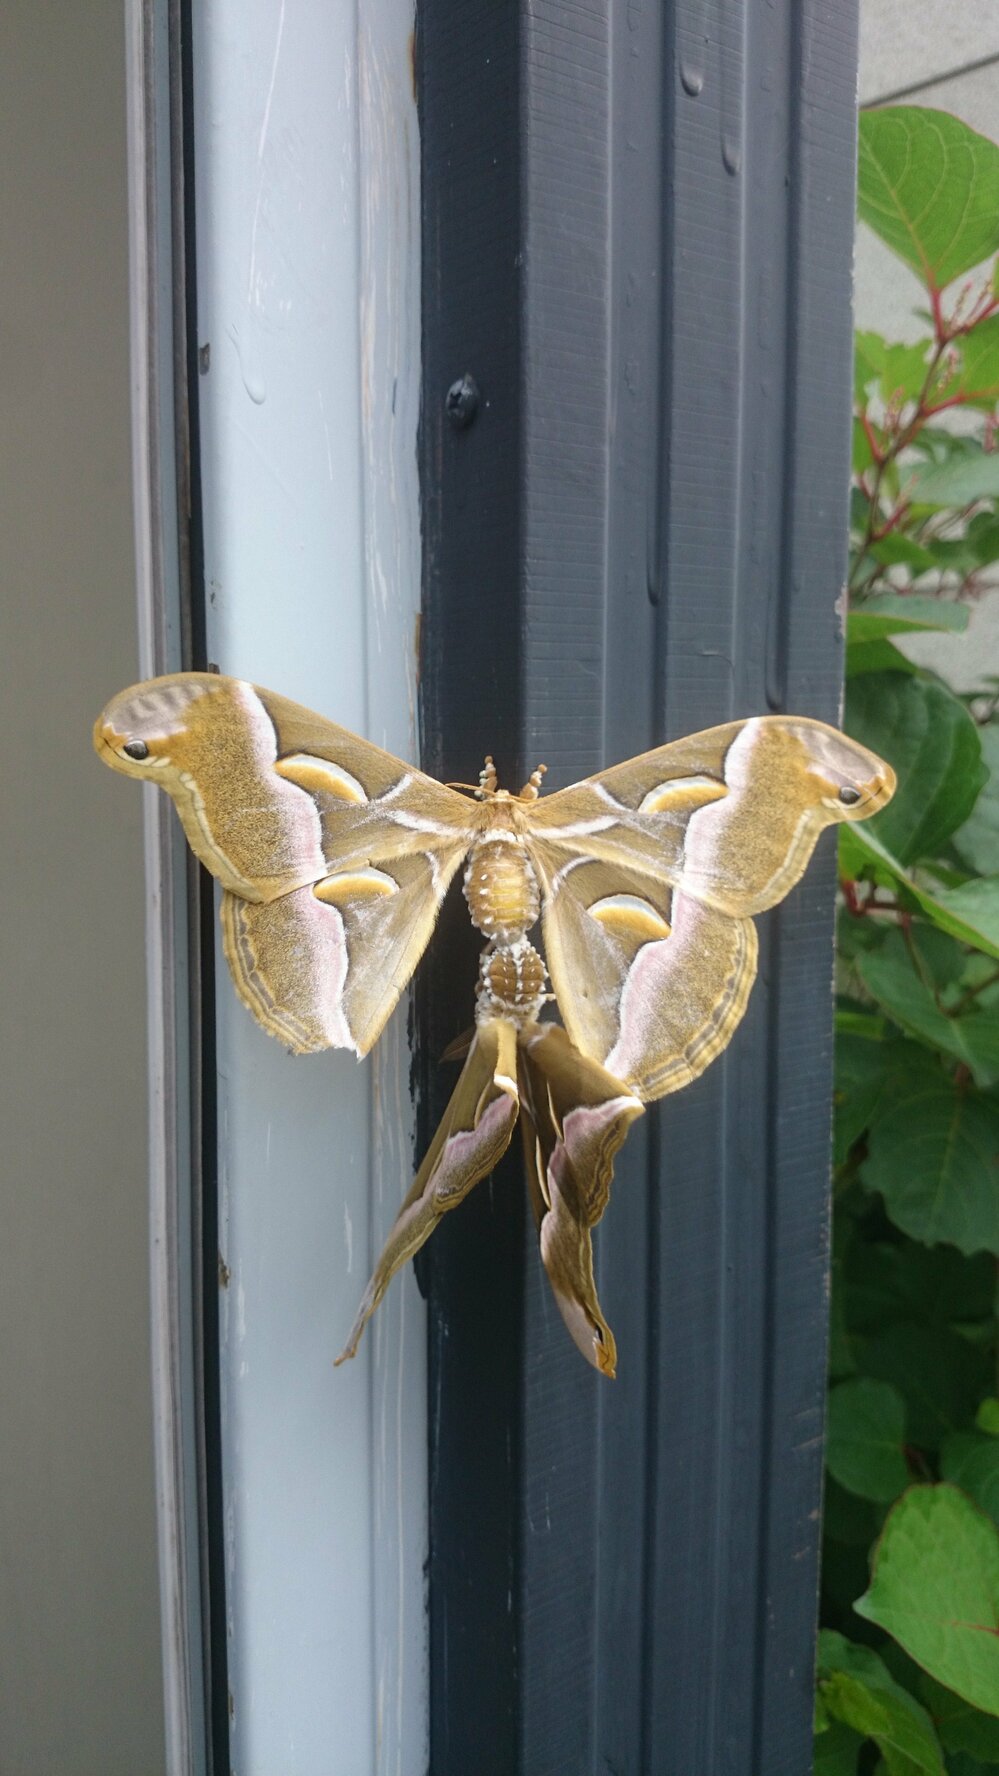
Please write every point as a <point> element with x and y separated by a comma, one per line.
<point>856,1687</point>
<point>971,1461</point>
<point>972,475</point>
<point>959,1726</point>
<point>890,977</point>
<point>864,1437</point>
<point>973,919</point>
<point>977,841</point>
<point>885,1280</point>
<point>859,1083</point>
<point>899,614</point>
<point>836,1750</point>
<point>898,550</point>
<point>978,374</point>
<point>876,656</point>
<point>929,186</point>
<point>928,736</point>
<point>934,1157</point>
<point>935,1589</point>
<point>940,1375</point>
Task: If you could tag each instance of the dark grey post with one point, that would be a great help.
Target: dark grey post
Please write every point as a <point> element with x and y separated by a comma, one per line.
<point>638,241</point>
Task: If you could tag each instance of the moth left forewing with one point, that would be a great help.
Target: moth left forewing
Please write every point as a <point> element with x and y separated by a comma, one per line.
<point>650,872</point>
<point>730,815</point>
<point>574,1117</point>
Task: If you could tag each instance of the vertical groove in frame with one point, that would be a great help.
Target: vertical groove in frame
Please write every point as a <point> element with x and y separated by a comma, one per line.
<point>158,429</point>
<point>204,1157</point>
<point>471,689</point>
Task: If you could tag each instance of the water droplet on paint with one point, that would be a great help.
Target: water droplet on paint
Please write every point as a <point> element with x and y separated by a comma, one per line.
<point>691,79</point>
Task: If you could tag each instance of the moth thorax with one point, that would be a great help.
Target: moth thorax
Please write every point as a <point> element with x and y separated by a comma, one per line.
<point>511,981</point>
<point>501,890</point>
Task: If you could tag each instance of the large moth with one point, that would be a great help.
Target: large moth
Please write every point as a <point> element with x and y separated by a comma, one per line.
<point>334,858</point>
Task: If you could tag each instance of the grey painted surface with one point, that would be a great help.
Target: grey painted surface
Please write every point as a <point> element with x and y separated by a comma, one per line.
<point>903,42</point>
<point>648,518</point>
<point>80,1688</point>
<point>307,192</point>
<point>159,437</point>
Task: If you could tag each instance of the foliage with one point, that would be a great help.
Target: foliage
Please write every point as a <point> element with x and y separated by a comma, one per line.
<point>909,1657</point>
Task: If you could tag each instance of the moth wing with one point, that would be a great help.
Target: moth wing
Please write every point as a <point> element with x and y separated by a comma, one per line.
<point>334,855</point>
<point>651,871</point>
<point>730,816</point>
<point>574,1117</point>
<point>324,966</point>
<point>474,1133</point>
<point>651,982</point>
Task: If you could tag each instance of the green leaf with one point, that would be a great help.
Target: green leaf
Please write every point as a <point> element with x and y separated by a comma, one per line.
<point>935,1589</point>
<point>973,907</point>
<point>939,1374</point>
<point>987,1416</point>
<point>971,476</point>
<point>836,1751</point>
<point>903,614</point>
<point>883,1281</point>
<point>856,1687</point>
<point>864,1438</point>
<point>929,738</point>
<point>934,1157</point>
<point>897,550</point>
<point>876,656</point>
<point>868,362</point>
<point>972,1463</point>
<point>861,454</point>
<point>977,841</point>
<point>905,368</point>
<point>860,853</point>
<point>960,1727</point>
<point>891,979</point>
<point>978,376</point>
<point>929,186</point>
<point>859,1083</point>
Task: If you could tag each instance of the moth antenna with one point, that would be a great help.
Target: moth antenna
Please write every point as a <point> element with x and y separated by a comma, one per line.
<point>532,787</point>
<point>488,779</point>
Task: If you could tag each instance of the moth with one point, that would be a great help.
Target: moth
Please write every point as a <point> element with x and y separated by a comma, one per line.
<point>334,858</point>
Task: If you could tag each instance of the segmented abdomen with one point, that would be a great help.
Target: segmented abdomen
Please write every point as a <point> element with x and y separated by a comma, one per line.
<point>501,890</point>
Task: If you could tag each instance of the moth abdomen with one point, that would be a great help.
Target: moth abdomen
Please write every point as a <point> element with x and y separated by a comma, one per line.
<point>512,980</point>
<point>501,889</point>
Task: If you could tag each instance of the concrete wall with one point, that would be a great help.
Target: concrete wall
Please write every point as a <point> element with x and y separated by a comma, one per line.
<point>80,1688</point>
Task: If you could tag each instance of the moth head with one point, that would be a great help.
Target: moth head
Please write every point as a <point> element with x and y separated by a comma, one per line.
<point>852,783</point>
<point>140,730</point>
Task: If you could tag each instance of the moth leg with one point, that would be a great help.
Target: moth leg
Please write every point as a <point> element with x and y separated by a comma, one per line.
<point>474,1134</point>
